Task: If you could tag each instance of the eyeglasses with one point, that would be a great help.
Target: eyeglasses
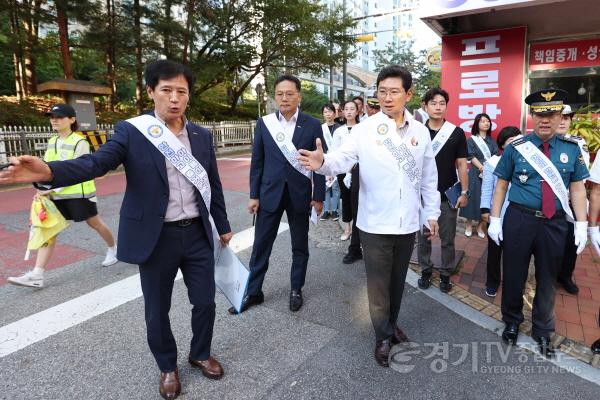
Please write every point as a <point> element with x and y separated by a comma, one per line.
<point>395,93</point>
<point>281,95</point>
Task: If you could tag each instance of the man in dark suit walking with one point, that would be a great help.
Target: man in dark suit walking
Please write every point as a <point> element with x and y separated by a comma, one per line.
<point>164,223</point>
<point>279,183</point>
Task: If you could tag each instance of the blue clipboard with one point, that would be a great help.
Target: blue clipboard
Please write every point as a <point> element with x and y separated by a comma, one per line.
<point>453,193</point>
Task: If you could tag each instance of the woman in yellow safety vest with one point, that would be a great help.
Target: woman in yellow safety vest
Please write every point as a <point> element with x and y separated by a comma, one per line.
<point>76,203</point>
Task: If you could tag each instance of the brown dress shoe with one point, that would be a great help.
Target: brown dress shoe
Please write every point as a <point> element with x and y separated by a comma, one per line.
<point>211,368</point>
<point>399,336</point>
<point>169,388</point>
<point>382,352</point>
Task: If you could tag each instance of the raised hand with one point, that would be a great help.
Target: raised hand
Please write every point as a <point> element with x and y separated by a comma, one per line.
<point>312,160</point>
<point>25,169</point>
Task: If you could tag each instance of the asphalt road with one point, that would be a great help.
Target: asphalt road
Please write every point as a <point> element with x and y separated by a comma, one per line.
<point>324,351</point>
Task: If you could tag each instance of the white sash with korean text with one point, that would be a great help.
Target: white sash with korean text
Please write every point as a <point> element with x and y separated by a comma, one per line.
<point>482,146</point>
<point>548,172</point>
<point>393,143</point>
<point>327,136</point>
<point>442,137</point>
<point>284,143</point>
<point>231,276</point>
<point>493,161</point>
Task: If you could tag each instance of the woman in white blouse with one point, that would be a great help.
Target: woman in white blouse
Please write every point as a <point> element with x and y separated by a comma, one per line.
<point>340,135</point>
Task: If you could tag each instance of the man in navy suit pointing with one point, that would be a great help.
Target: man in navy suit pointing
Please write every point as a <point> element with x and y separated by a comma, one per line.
<point>279,183</point>
<point>164,222</point>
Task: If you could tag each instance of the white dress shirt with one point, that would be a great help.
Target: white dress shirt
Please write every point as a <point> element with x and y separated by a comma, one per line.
<point>340,135</point>
<point>388,202</point>
<point>289,126</point>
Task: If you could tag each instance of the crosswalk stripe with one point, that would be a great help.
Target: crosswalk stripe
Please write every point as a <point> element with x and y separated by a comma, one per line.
<point>37,327</point>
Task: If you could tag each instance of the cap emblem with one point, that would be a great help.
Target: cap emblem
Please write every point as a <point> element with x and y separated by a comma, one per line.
<point>548,95</point>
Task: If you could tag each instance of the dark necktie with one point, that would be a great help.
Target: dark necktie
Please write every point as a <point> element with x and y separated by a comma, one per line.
<point>548,207</point>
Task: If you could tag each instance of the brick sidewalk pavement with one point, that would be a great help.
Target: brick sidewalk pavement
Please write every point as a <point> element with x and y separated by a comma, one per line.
<point>576,316</point>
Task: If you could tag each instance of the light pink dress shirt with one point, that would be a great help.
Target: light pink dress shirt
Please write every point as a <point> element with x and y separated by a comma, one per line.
<point>182,194</point>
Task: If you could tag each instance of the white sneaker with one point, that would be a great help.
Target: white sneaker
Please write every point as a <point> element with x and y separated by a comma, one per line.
<point>111,257</point>
<point>28,279</point>
<point>345,236</point>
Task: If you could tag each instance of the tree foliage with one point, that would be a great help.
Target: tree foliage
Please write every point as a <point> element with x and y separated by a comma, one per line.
<point>227,43</point>
<point>423,77</point>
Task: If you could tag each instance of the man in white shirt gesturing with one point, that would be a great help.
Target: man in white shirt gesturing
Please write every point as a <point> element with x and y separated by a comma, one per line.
<point>398,195</point>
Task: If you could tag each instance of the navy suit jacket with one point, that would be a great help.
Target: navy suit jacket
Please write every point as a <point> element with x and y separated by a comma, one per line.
<point>270,170</point>
<point>147,191</point>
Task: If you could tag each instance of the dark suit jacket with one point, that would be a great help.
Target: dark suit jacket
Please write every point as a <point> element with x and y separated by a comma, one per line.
<point>270,171</point>
<point>147,191</point>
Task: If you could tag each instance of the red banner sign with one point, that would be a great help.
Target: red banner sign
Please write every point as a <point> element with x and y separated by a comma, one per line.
<point>581,53</point>
<point>483,72</point>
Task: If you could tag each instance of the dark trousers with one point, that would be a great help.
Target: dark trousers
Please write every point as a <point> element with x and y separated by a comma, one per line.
<point>354,247</point>
<point>345,195</point>
<point>188,249</point>
<point>494,256</point>
<point>526,235</point>
<point>447,226</point>
<point>570,256</point>
<point>265,233</point>
<point>386,262</point>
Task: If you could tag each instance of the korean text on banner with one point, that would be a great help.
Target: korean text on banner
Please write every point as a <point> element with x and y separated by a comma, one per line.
<point>483,72</point>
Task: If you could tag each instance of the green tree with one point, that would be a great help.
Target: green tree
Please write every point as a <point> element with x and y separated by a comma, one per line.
<point>242,39</point>
<point>312,100</point>
<point>423,77</point>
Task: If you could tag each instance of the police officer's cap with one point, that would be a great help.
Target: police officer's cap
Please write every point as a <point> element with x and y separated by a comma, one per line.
<point>568,111</point>
<point>547,101</point>
<point>373,102</point>
<point>61,111</point>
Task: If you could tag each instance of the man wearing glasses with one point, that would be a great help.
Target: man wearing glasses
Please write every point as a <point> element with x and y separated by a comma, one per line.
<point>279,183</point>
<point>398,195</point>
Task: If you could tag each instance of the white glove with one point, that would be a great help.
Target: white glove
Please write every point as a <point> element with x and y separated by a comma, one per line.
<point>580,235</point>
<point>495,230</point>
<point>595,238</point>
<point>348,180</point>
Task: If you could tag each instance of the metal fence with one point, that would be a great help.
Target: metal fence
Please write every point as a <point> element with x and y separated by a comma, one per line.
<point>19,140</point>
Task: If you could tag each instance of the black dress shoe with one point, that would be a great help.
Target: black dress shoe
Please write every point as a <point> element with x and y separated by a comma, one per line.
<point>399,336</point>
<point>382,352</point>
<point>295,300</point>
<point>249,301</point>
<point>545,346</point>
<point>596,347</point>
<point>445,284</point>
<point>424,281</point>
<point>352,257</point>
<point>510,333</point>
<point>569,286</point>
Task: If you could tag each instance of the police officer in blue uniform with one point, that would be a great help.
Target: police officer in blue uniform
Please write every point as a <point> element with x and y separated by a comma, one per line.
<point>535,222</point>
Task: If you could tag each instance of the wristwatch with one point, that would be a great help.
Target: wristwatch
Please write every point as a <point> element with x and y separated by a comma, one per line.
<point>465,193</point>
